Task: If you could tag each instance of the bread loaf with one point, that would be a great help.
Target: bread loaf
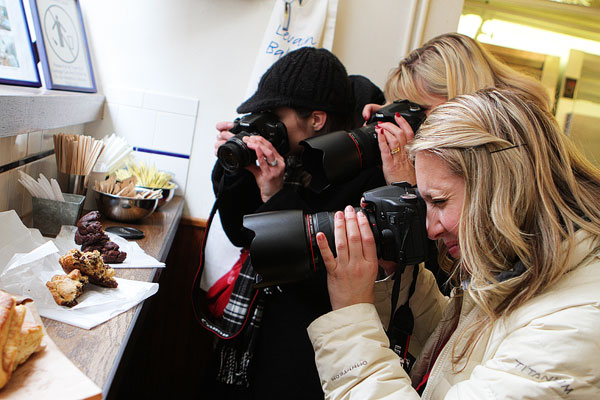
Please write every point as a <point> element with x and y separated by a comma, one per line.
<point>18,339</point>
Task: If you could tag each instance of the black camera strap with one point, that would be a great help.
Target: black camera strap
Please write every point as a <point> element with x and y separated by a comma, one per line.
<point>200,313</point>
<point>402,321</point>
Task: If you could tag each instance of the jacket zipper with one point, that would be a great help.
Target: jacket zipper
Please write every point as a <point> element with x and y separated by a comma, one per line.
<point>444,356</point>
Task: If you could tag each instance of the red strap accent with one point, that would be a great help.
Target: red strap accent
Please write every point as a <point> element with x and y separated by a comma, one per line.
<point>424,381</point>
<point>426,377</point>
<point>406,347</point>
<point>219,293</point>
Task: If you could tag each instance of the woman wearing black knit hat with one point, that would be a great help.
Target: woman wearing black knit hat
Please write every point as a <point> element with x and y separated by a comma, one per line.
<point>310,92</point>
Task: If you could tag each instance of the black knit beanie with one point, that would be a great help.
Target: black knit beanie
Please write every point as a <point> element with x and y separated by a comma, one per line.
<point>309,78</point>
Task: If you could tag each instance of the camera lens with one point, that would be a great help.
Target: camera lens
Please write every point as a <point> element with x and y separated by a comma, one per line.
<point>339,156</point>
<point>284,248</point>
<point>234,154</point>
<point>280,251</point>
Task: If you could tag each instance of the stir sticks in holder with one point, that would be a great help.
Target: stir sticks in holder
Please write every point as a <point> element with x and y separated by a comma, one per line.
<point>116,152</point>
<point>76,154</point>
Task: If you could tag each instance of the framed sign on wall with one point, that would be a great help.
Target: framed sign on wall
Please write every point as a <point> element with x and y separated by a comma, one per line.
<point>62,45</point>
<point>17,62</point>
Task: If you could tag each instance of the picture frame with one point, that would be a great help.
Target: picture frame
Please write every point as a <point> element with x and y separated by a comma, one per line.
<point>18,65</point>
<point>62,45</point>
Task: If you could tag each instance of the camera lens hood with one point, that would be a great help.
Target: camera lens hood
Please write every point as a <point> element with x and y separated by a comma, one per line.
<point>331,158</point>
<point>279,251</point>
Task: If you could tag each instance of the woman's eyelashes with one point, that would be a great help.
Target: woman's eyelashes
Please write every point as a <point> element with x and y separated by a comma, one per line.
<point>437,202</point>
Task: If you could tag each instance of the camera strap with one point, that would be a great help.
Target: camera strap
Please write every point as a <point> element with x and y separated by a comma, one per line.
<point>201,314</point>
<point>402,321</point>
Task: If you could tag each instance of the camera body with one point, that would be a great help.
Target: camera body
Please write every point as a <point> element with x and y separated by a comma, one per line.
<point>284,248</point>
<point>338,156</point>
<point>234,154</point>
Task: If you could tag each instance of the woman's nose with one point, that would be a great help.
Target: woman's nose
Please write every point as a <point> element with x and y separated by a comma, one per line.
<point>434,227</point>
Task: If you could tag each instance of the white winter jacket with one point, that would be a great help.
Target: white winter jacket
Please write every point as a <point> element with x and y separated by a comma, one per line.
<point>548,348</point>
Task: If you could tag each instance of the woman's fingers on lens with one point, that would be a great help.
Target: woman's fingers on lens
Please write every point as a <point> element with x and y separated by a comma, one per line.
<point>341,241</point>
<point>352,231</point>
<point>368,240</point>
<point>326,252</point>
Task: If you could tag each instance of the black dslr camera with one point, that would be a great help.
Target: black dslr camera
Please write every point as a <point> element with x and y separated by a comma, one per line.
<point>235,155</point>
<point>337,156</point>
<point>284,248</point>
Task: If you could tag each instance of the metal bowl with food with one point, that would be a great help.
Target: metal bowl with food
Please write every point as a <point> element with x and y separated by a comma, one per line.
<point>125,209</point>
<point>167,192</point>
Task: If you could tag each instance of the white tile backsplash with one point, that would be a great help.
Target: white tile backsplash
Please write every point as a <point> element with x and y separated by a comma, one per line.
<point>47,166</point>
<point>171,104</point>
<point>34,143</point>
<point>15,148</point>
<point>4,182</point>
<point>15,192</point>
<point>48,139</point>
<point>124,96</point>
<point>136,125</point>
<point>32,170</point>
<point>161,122</point>
<point>154,121</point>
<point>6,146</point>
<point>174,133</point>
<point>19,147</point>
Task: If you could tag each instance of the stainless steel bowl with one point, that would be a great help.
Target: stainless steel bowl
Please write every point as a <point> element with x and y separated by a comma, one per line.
<point>124,209</point>
<point>167,193</point>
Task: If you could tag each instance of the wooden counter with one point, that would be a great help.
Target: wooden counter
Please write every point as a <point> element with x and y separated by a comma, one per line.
<point>97,352</point>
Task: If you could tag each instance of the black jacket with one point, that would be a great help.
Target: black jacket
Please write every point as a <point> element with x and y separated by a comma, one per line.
<point>283,365</point>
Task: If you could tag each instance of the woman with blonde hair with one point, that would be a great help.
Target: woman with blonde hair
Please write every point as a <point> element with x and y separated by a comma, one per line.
<point>443,68</point>
<point>518,210</point>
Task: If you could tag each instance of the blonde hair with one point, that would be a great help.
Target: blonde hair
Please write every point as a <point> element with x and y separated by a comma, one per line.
<point>453,64</point>
<point>527,190</point>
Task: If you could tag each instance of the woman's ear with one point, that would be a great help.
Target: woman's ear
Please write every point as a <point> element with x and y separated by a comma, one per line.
<point>318,119</point>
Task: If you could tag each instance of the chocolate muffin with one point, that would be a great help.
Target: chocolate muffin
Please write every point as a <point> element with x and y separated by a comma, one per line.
<point>91,236</point>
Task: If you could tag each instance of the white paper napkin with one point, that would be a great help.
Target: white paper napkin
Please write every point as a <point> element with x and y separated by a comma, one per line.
<point>136,257</point>
<point>26,264</point>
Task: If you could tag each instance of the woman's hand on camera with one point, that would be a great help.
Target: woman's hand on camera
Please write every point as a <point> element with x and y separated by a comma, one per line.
<point>351,276</point>
<point>392,138</point>
<point>224,135</point>
<point>271,166</point>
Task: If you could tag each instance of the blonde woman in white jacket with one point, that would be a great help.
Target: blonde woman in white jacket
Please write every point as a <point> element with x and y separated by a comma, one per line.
<point>517,209</point>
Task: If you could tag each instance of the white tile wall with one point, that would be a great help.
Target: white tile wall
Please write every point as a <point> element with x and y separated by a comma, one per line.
<point>154,121</point>
<point>14,148</point>
<point>34,143</point>
<point>6,146</point>
<point>172,133</point>
<point>158,122</point>
<point>15,192</point>
<point>136,125</point>
<point>125,96</point>
<point>171,104</point>
<point>4,182</point>
<point>47,139</point>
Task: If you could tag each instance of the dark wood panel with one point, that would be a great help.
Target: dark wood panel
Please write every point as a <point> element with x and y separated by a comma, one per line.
<point>172,351</point>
